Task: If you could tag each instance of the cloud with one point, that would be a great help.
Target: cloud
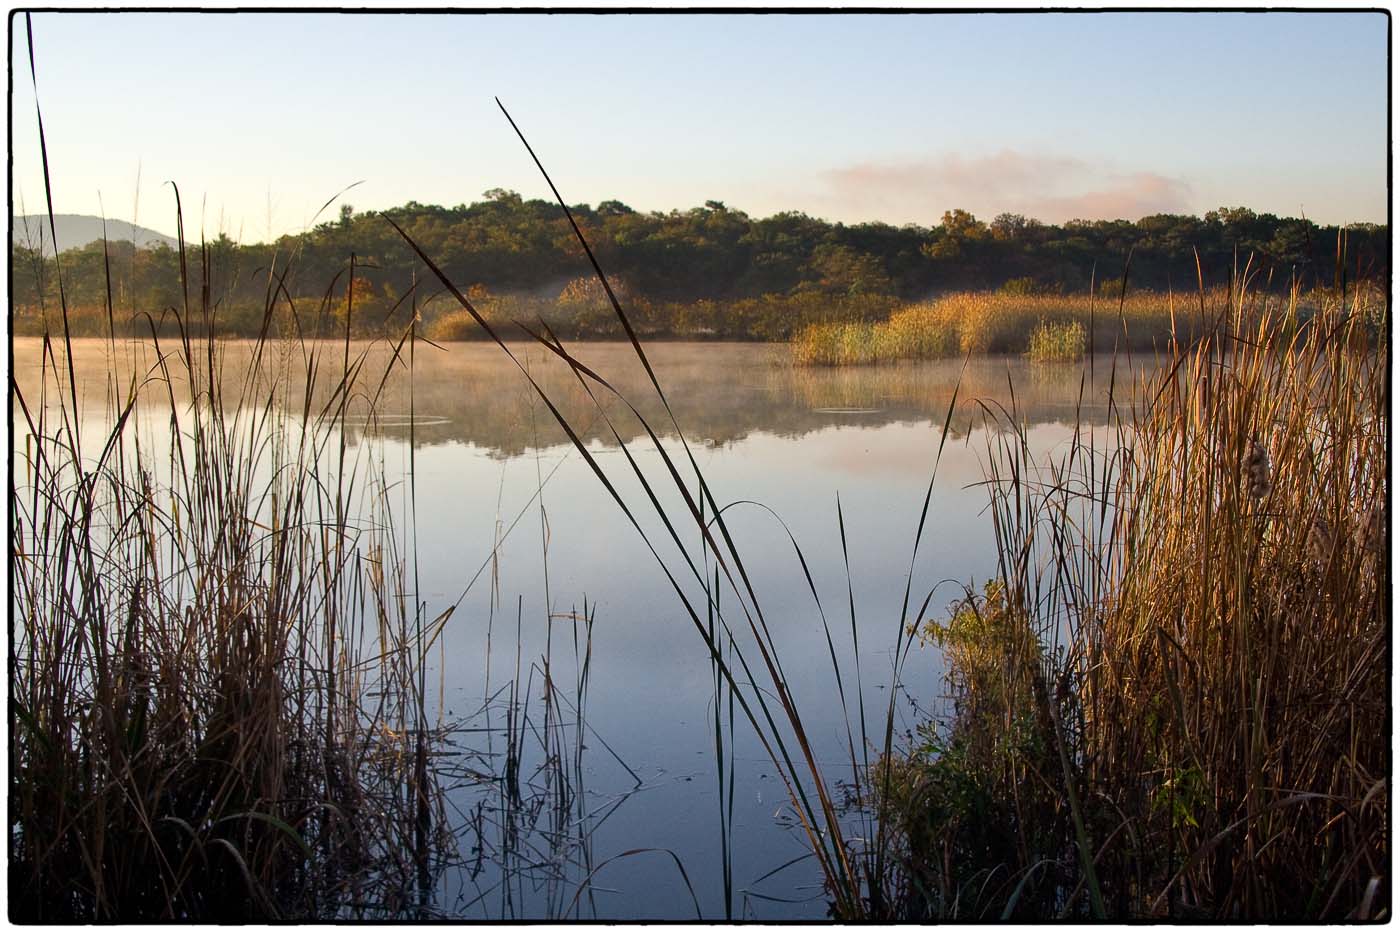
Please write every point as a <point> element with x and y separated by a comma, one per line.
<point>1047,187</point>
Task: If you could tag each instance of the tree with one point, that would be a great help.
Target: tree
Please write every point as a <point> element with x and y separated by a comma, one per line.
<point>1291,242</point>
<point>501,196</point>
<point>1012,226</point>
<point>843,270</point>
<point>613,209</point>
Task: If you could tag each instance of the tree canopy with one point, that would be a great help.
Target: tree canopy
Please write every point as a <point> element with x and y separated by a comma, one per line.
<point>507,244</point>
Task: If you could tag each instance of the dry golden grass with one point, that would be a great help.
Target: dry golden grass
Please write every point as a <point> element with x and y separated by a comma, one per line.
<point>1205,722</point>
<point>1241,635</point>
<point>988,322</point>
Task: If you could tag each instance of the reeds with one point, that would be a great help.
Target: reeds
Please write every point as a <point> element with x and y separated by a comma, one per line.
<point>1201,728</point>
<point>1043,326</point>
<point>214,676</point>
<point>1052,342</point>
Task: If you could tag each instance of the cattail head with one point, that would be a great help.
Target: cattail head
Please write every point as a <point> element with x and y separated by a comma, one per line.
<point>1256,470</point>
<point>1321,540</point>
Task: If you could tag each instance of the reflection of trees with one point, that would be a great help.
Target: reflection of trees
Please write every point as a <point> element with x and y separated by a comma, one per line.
<point>720,393</point>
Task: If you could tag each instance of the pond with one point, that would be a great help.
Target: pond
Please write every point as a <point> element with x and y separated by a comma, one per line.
<point>504,519</point>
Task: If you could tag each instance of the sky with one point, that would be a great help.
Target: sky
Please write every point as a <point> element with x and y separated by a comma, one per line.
<point>260,119</point>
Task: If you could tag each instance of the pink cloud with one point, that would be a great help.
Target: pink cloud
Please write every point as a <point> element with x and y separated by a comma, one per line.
<point>1049,188</point>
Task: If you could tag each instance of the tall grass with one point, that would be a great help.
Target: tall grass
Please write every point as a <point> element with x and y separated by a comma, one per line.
<point>1056,343</point>
<point>1173,698</point>
<point>215,679</point>
<point>995,322</point>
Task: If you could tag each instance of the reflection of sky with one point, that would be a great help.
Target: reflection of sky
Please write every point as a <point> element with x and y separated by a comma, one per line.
<point>650,690</point>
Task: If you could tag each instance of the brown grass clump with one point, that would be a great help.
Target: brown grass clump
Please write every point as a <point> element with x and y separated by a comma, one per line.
<point>214,686</point>
<point>1239,595</point>
<point>1209,587</point>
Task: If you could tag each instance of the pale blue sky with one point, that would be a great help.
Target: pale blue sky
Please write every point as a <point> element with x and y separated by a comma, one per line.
<point>850,117</point>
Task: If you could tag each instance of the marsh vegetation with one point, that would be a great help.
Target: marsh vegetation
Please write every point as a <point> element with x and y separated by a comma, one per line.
<point>1170,700</point>
<point>215,678</point>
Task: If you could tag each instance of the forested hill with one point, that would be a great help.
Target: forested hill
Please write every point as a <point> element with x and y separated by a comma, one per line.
<point>506,245</point>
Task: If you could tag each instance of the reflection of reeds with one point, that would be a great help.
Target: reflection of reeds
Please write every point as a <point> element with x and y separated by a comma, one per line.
<point>531,820</point>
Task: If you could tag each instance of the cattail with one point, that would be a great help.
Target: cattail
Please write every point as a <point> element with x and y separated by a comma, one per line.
<point>1369,534</point>
<point>1256,470</point>
<point>1321,540</point>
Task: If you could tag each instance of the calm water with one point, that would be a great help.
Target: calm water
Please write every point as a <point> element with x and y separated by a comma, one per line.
<point>492,473</point>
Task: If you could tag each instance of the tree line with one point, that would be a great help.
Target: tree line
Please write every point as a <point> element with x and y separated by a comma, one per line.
<point>705,258</point>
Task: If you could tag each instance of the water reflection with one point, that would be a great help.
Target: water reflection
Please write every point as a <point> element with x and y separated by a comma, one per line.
<point>720,392</point>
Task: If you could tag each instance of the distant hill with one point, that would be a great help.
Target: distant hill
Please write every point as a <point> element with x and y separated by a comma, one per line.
<point>80,230</point>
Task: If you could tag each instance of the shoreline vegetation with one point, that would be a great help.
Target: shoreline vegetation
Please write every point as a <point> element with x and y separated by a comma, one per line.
<point>707,272</point>
<point>218,692</point>
<point>1058,328</point>
<point>819,330</point>
<point>1172,699</point>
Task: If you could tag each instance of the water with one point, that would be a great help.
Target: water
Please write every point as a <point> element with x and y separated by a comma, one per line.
<point>494,474</point>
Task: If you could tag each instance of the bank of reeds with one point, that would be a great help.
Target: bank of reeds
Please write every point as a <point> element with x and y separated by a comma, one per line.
<point>1172,701</point>
<point>994,322</point>
<point>215,676</point>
